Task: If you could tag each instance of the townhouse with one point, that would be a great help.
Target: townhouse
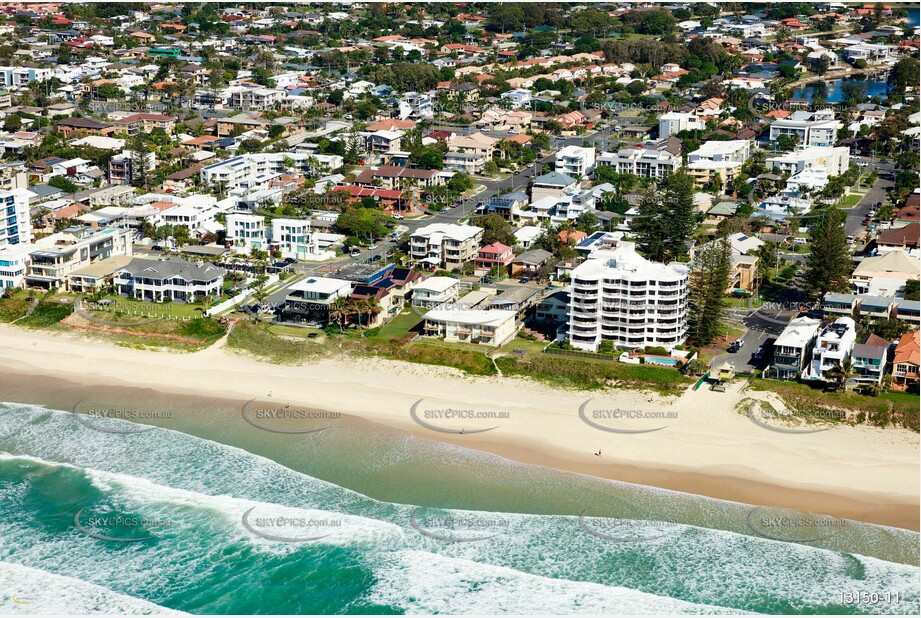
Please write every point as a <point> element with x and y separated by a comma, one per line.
<point>54,257</point>
<point>817,128</point>
<point>793,348</point>
<point>834,343</point>
<point>717,161</point>
<point>652,160</point>
<point>493,327</point>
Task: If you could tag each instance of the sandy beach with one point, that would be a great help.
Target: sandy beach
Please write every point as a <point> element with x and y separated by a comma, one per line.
<point>705,445</point>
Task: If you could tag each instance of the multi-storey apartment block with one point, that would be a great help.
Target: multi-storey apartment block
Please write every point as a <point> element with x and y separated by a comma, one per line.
<point>447,245</point>
<point>809,128</point>
<point>618,295</point>
<point>15,222</point>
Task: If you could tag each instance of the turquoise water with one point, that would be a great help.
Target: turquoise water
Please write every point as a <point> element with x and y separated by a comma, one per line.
<point>659,360</point>
<point>106,520</point>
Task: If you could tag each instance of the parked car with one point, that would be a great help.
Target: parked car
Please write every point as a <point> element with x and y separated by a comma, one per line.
<point>734,347</point>
<point>398,217</point>
<point>523,280</point>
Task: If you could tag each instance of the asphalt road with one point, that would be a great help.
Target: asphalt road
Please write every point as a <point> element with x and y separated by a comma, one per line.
<point>876,194</point>
<point>744,360</point>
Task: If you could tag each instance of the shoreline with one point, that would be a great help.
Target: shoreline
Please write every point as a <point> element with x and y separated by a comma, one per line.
<point>858,473</point>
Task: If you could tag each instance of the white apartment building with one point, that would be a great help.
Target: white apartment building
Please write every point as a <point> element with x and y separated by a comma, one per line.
<point>196,212</point>
<point>575,161</point>
<point>448,245</point>
<point>834,160</point>
<point>490,327</point>
<point>834,344</point>
<point>14,261</point>
<point>718,161</point>
<point>172,279</point>
<point>675,122</point>
<point>649,161</point>
<point>246,232</point>
<point>294,238</point>
<point>809,128</point>
<point>255,99</point>
<point>14,78</point>
<point>620,296</point>
<point>255,171</point>
<point>15,221</point>
<point>54,257</point>
<point>557,210</point>
<point>793,348</point>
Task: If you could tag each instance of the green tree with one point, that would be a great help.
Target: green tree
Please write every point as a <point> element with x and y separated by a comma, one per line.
<point>495,229</point>
<point>109,91</point>
<point>141,161</point>
<point>828,266</point>
<point>708,280</point>
<point>904,74</point>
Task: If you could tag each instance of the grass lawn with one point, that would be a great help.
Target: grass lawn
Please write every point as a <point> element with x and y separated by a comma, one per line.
<point>574,372</point>
<point>849,201</point>
<point>298,331</point>
<point>399,326</point>
<point>128,306</point>
<point>520,343</point>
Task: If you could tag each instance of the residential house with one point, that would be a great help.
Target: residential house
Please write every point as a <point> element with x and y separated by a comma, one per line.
<point>793,348</point>
<point>833,345</point>
<point>906,359</point>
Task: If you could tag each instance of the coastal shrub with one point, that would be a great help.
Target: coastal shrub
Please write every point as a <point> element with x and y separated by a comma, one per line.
<point>12,308</point>
<point>888,409</point>
<point>589,374</point>
<point>207,329</point>
<point>257,339</point>
<point>47,314</point>
<point>470,361</point>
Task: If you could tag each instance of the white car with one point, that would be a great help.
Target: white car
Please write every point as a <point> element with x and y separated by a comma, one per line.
<point>398,217</point>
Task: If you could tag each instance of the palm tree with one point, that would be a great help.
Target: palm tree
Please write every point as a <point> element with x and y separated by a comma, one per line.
<point>841,373</point>
<point>338,312</point>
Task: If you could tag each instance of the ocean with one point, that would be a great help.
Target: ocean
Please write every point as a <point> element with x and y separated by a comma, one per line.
<point>115,516</point>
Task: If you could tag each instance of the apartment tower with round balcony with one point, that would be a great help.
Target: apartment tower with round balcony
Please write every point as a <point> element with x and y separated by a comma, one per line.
<point>620,296</point>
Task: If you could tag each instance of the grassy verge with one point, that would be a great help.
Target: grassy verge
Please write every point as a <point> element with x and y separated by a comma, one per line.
<point>259,340</point>
<point>48,313</point>
<point>885,410</point>
<point>573,372</point>
<point>470,361</point>
<point>13,306</point>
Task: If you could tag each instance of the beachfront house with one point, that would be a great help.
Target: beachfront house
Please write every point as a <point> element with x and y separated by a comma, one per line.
<point>173,280</point>
<point>793,348</point>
